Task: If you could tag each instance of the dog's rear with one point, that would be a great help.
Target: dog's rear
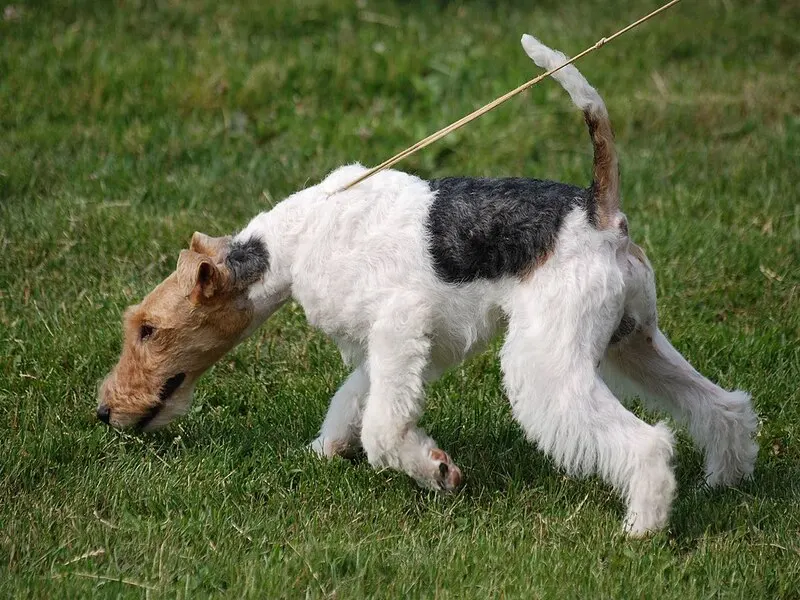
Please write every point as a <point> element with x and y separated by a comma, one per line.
<point>605,177</point>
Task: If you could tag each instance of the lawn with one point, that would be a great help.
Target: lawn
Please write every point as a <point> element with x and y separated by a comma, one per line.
<point>127,125</point>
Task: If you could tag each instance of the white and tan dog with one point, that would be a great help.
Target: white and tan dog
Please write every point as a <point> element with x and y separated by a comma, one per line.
<point>410,277</point>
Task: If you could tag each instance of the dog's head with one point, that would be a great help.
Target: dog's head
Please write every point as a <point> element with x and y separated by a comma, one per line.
<point>181,328</point>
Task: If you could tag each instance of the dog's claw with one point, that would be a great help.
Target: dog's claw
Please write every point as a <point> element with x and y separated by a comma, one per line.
<point>448,477</point>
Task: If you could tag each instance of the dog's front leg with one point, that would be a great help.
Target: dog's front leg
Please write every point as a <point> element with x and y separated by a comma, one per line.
<point>338,435</point>
<point>389,433</point>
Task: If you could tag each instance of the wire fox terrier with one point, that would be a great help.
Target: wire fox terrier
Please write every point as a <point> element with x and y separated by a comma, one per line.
<point>409,277</point>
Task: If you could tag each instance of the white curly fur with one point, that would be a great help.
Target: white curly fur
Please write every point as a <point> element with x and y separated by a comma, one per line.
<point>357,262</point>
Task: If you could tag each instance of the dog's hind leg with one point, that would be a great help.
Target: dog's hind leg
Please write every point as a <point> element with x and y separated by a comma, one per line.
<point>339,434</point>
<point>398,366</point>
<point>640,360</point>
<point>560,322</point>
<point>721,423</point>
<point>567,410</point>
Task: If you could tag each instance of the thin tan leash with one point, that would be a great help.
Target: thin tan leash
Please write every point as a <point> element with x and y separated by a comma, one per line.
<point>497,102</point>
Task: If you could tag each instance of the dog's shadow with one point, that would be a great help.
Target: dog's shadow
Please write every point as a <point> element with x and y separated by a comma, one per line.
<point>493,460</point>
<point>496,457</point>
<point>751,507</point>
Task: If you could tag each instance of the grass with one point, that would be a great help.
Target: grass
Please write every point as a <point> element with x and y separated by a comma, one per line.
<point>125,126</point>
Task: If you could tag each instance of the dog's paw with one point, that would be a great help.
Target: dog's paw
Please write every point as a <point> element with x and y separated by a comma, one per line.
<point>644,524</point>
<point>446,476</point>
<point>731,454</point>
<point>329,448</point>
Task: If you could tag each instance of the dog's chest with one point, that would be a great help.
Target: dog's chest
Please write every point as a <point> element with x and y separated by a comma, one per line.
<point>359,258</point>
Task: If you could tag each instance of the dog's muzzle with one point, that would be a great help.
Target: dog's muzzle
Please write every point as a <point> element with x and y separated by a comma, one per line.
<point>169,388</point>
<point>104,413</point>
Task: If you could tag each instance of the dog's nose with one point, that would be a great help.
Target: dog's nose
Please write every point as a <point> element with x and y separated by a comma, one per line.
<point>103,413</point>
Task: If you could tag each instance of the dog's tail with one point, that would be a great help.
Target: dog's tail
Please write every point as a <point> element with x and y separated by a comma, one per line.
<point>605,179</point>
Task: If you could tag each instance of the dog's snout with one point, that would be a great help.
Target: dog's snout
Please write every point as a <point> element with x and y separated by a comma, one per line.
<point>104,413</point>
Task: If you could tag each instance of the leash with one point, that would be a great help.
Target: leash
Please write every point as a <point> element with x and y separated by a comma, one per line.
<point>498,101</point>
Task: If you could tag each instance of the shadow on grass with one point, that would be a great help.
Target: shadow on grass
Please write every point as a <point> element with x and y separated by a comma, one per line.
<point>497,459</point>
<point>749,507</point>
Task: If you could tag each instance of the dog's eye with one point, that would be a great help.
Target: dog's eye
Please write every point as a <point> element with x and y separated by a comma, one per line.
<point>145,331</point>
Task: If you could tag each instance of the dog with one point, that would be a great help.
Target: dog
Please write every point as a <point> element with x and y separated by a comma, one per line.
<point>410,277</point>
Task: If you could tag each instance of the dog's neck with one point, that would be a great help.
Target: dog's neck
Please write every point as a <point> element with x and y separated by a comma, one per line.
<point>280,230</point>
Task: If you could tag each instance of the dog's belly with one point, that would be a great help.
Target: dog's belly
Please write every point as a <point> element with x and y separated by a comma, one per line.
<point>455,340</point>
<point>460,320</point>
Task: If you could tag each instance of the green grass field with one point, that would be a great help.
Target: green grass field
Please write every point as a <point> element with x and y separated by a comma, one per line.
<point>127,125</point>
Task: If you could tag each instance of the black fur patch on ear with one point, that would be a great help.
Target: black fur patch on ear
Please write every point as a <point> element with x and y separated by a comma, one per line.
<point>247,260</point>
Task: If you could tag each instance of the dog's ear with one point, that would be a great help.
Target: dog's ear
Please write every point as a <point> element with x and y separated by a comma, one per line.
<point>215,247</point>
<point>200,279</point>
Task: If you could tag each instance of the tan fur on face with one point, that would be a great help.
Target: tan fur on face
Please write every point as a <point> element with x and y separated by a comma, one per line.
<point>197,315</point>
